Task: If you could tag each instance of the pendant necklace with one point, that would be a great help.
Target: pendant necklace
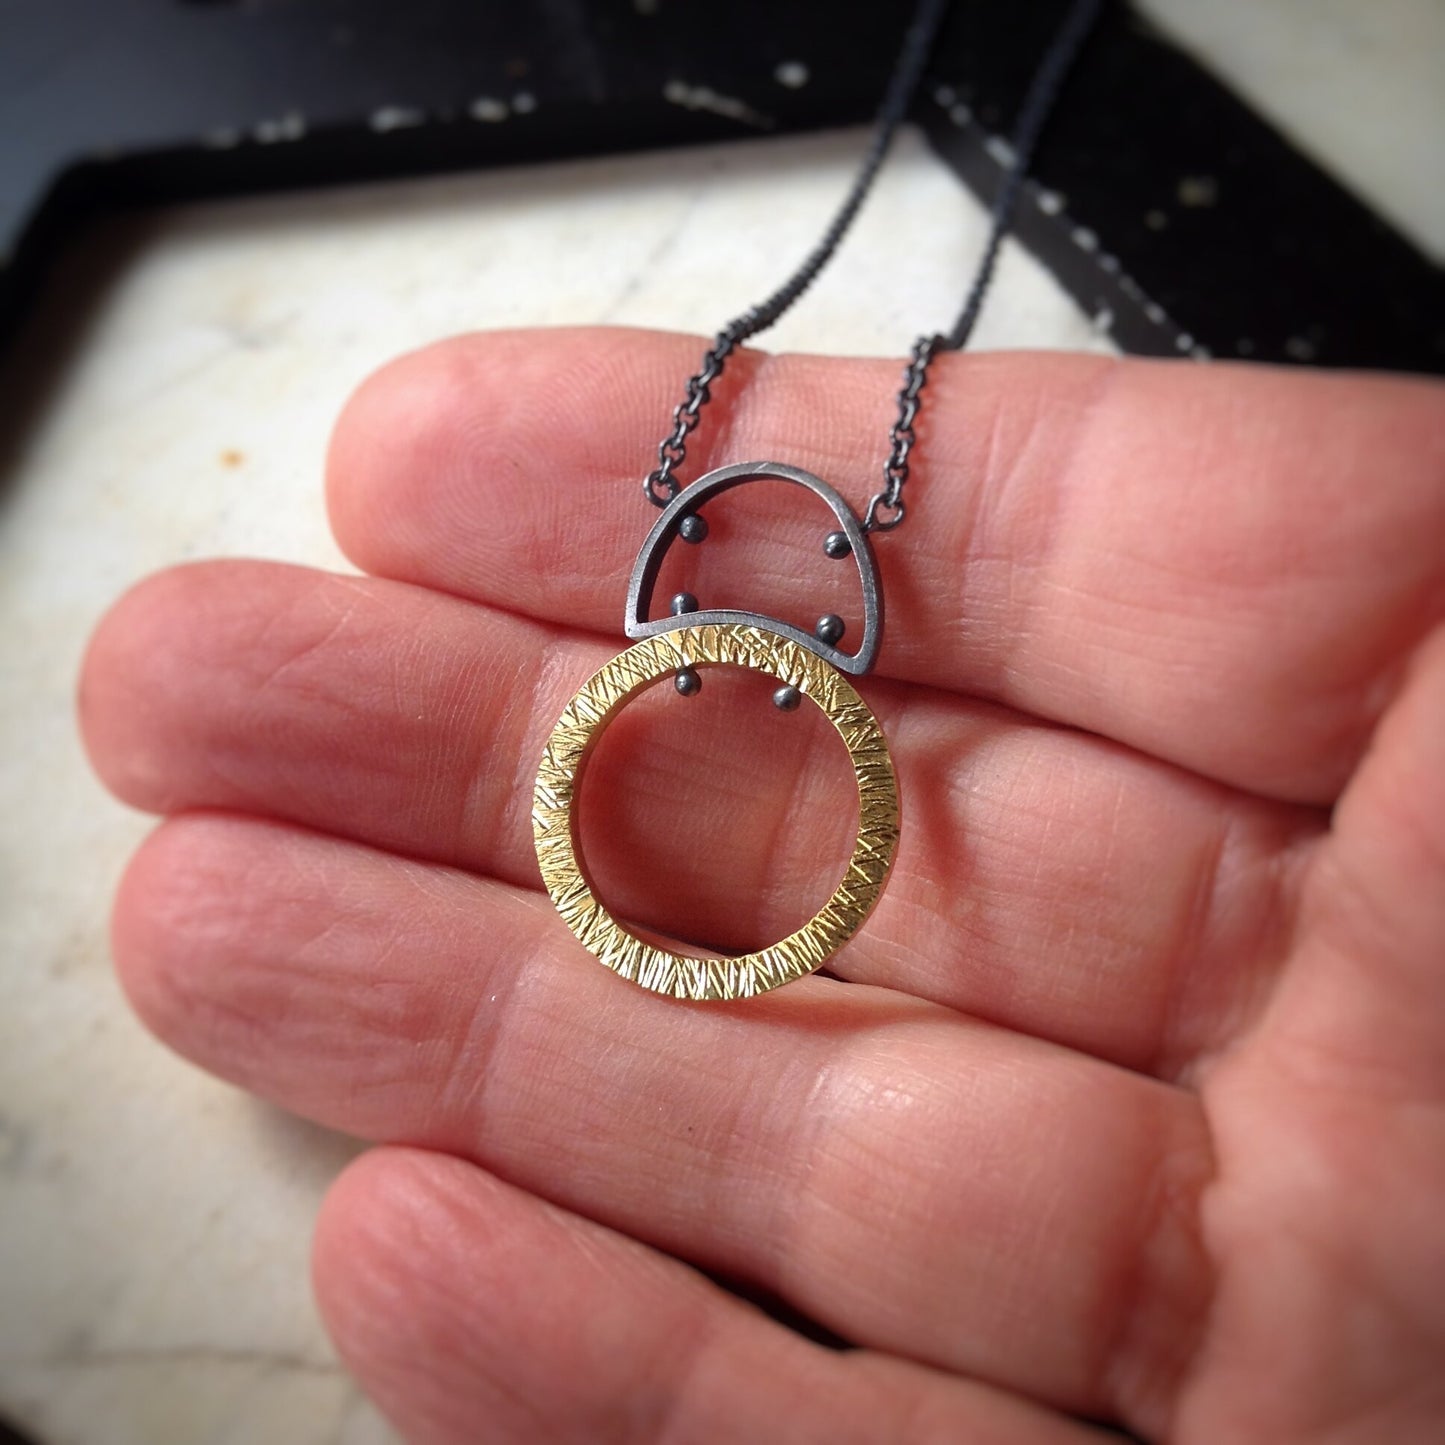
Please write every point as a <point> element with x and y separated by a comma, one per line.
<point>804,665</point>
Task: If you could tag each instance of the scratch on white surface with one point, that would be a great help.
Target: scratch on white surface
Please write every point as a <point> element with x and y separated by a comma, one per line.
<point>648,266</point>
<point>199,1354</point>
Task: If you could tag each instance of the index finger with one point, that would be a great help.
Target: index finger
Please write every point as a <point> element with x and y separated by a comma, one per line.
<point>1223,566</point>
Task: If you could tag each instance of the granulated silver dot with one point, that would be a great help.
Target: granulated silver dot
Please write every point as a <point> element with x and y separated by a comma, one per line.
<point>683,602</point>
<point>836,545</point>
<point>692,528</point>
<point>787,698</point>
<point>687,682</point>
<point>830,628</point>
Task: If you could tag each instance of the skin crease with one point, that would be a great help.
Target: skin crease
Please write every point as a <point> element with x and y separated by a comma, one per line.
<point>1126,1105</point>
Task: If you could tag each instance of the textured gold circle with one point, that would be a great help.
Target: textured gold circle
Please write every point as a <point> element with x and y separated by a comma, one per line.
<point>560,776</point>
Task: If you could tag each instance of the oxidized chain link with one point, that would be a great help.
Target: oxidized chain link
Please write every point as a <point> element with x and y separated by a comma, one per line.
<point>885,507</point>
<point>901,439</point>
<point>661,486</point>
<point>672,450</point>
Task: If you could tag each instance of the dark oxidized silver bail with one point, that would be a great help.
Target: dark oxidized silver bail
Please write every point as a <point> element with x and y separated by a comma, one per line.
<point>682,517</point>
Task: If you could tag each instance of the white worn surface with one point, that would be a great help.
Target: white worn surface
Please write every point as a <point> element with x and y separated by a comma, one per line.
<point>1358,84</point>
<point>156,1223</point>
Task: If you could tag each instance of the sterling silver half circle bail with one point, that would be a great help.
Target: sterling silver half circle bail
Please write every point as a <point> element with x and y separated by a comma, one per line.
<point>687,503</point>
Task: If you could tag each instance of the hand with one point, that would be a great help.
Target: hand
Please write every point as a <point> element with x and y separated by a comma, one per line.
<point>1132,1106</point>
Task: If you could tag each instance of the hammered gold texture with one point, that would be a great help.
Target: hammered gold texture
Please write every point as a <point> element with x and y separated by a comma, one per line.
<point>560,778</point>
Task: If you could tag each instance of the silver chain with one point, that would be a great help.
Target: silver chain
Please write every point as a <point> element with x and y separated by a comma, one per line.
<point>661,486</point>
<point>885,507</point>
<point>901,439</point>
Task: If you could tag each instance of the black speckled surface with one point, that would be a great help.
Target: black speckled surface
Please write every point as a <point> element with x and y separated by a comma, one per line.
<point>1186,223</point>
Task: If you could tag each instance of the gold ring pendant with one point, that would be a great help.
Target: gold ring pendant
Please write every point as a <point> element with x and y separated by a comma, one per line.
<point>560,778</point>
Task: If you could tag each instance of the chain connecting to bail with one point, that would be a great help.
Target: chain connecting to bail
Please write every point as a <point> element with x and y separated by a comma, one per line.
<point>661,486</point>
<point>885,507</point>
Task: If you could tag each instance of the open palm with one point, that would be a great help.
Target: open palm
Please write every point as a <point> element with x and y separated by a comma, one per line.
<point>1130,1103</point>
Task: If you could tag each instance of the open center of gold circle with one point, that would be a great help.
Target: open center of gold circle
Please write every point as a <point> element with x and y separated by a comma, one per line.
<point>560,776</point>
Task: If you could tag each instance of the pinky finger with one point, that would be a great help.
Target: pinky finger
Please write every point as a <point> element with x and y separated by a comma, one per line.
<point>470,1310</point>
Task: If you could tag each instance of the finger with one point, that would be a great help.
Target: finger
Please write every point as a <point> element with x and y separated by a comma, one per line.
<point>1369,993</point>
<point>916,1183</point>
<point>415,722</point>
<point>1336,1107</point>
<point>468,1309</point>
<point>1219,565</point>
